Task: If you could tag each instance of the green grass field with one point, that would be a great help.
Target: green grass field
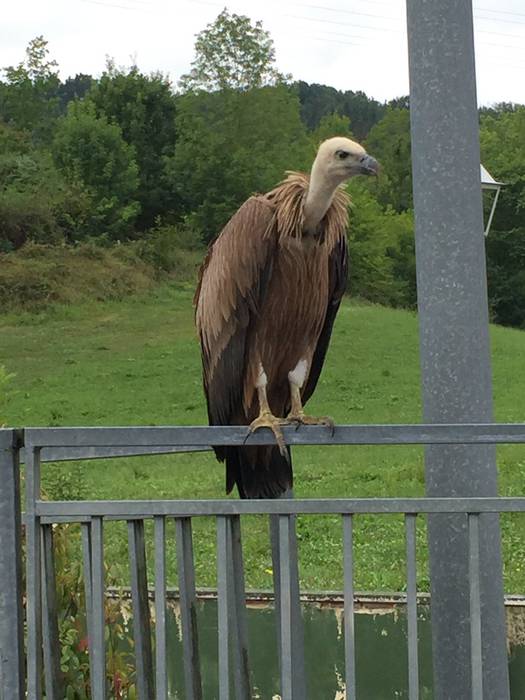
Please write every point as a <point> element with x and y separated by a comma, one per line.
<point>137,363</point>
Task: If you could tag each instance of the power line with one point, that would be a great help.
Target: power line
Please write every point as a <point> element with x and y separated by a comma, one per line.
<point>333,41</point>
<point>503,46</point>
<point>121,7</point>
<point>486,31</point>
<point>348,36</point>
<point>499,19</point>
<point>368,27</point>
<point>342,24</point>
<point>501,12</point>
<point>390,17</point>
<point>343,11</point>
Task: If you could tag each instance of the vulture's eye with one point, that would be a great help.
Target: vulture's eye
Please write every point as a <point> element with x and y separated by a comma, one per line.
<point>343,154</point>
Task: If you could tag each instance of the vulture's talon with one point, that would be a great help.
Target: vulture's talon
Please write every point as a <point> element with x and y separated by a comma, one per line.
<point>301,419</point>
<point>268,420</point>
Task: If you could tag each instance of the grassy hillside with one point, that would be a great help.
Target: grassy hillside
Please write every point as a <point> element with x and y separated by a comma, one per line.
<point>137,362</point>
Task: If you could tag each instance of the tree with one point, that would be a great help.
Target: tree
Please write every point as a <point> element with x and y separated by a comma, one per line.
<point>73,89</point>
<point>232,144</point>
<point>319,101</point>
<point>331,125</point>
<point>91,151</point>
<point>506,276</point>
<point>399,102</point>
<point>144,108</point>
<point>389,142</point>
<point>36,202</point>
<point>381,251</point>
<point>363,111</point>
<point>232,53</point>
<point>28,97</point>
<point>502,138</point>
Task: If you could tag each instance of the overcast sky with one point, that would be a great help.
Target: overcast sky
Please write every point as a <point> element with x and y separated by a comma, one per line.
<point>350,44</point>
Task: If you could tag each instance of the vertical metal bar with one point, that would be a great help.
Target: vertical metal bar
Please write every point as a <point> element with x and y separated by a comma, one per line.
<point>141,613</point>
<point>33,575</point>
<point>454,337</point>
<point>98,644</point>
<point>52,674</point>
<point>11,612</point>
<point>238,607</point>
<point>223,559</point>
<point>413,662</point>
<point>476,666</point>
<point>276,573</point>
<point>88,591</point>
<point>348,544</point>
<point>298,667</point>
<point>287,687</point>
<point>161,685</point>
<point>188,610</point>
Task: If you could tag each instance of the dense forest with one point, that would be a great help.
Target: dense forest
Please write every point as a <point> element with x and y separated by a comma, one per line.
<point>129,159</point>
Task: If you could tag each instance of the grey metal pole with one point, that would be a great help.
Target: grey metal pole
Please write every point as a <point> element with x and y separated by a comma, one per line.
<point>298,680</point>
<point>11,613</point>
<point>454,340</point>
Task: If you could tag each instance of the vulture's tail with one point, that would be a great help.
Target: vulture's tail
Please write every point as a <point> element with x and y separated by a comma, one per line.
<point>259,472</point>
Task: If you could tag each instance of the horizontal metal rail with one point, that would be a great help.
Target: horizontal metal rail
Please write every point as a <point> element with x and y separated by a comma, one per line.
<point>329,506</point>
<point>204,436</point>
<point>69,454</point>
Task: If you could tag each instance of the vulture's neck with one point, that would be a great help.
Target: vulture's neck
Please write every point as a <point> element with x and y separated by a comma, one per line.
<point>319,196</point>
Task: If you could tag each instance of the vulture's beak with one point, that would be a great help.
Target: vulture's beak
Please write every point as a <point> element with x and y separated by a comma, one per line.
<point>369,165</point>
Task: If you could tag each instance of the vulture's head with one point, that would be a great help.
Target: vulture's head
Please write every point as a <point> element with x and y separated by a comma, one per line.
<point>339,159</point>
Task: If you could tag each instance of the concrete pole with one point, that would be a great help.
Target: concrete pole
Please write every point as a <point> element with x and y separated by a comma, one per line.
<point>454,338</point>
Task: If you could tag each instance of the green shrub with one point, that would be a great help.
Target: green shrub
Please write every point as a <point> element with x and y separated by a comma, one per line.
<point>381,252</point>
<point>36,202</point>
<point>5,378</point>
<point>63,482</point>
<point>91,151</point>
<point>38,275</point>
<point>72,629</point>
<point>173,249</point>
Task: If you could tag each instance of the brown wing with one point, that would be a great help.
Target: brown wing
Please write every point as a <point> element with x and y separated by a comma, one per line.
<point>338,263</point>
<point>232,283</point>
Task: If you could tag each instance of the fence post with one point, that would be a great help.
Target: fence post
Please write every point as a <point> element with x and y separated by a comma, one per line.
<point>11,613</point>
<point>454,338</point>
<point>298,681</point>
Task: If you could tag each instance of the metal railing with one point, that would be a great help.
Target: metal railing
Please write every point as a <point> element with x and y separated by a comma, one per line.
<point>42,652</point>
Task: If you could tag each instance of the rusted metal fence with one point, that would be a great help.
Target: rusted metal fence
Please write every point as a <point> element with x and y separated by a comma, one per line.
<point>41,662</point>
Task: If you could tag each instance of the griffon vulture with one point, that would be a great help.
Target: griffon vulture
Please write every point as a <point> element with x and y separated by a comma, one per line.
<point>268,293</point>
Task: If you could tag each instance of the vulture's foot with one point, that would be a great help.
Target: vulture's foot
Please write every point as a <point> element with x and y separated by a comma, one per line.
<point>300,418</point>
<point>268,420</point>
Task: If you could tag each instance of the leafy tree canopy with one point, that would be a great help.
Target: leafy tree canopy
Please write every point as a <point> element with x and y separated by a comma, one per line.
<point>319,101</point>
<point>502,139</point>
<point>332,125</point>
<point>28,96</point>
<point>36,201</point>
<point>232,53</point>
<point>389,142</point>
<point>232,144</point>
<point>91,151</point>
<point>74,89</point>
<point>144,108</point>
